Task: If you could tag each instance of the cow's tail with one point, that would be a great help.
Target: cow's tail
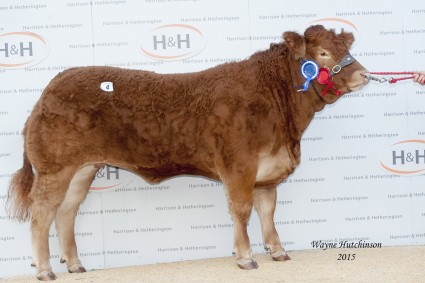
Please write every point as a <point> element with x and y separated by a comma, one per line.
<point>18,202</point>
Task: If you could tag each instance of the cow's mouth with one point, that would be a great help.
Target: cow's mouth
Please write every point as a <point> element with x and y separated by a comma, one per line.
<point>357,87</point>
<point>361,84</point>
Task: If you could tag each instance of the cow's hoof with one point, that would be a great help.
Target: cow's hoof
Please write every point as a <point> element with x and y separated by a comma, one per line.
<point>247,264</point>
<point>280,256</point>
<point>76,268</point>
<point>46,276</point>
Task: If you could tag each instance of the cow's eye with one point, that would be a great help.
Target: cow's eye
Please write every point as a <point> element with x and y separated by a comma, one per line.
<point>323,54</point>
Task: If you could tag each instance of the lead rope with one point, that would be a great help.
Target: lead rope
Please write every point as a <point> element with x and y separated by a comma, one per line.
<point>391,80</point>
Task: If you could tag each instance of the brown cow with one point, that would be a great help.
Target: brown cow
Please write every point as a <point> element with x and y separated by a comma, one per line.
<point>239,122</point>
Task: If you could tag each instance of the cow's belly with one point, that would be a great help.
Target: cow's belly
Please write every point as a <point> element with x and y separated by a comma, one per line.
<point>274,167</point>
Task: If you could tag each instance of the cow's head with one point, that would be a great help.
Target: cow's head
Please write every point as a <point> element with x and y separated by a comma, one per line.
<point>327,49</point>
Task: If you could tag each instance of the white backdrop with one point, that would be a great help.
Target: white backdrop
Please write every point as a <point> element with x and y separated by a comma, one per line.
<point>340,190</point>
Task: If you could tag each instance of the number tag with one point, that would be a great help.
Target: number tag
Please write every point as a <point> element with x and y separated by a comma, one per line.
<point>107,86</point>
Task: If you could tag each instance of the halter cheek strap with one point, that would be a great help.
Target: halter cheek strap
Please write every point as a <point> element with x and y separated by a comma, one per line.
<point>347,60</point>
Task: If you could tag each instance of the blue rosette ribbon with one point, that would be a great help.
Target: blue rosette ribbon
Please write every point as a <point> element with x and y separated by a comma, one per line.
<point>310,71</point>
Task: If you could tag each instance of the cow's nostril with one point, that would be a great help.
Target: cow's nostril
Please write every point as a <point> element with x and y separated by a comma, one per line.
<point>366,75</point>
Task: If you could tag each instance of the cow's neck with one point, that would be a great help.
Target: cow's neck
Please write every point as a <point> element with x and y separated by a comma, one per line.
<point>307,103</point>
<point>283,76</point>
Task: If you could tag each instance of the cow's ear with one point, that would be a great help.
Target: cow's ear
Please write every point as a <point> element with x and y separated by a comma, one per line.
<point>295,43</point>
<point>347,38</point>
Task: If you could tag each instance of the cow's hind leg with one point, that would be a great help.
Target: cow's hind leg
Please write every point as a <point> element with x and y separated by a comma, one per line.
<point>47,194</point>
<point>239,195</point>
<point>265,205</point>
<point>65,217</point>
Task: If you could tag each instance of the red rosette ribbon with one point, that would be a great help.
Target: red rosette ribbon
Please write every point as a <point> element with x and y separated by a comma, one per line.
<point>324,78</point>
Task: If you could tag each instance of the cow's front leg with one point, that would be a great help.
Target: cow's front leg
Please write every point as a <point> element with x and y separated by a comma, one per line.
<point>265,205</point>
<point>239,195</point>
